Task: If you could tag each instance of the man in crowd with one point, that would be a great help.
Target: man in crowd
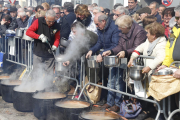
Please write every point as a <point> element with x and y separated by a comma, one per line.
<point>13,14</point>
<point>45,31</point>
<point>5,22</point>
<point>133,6</point>
<point>108,36</point>
<point>161,9</point>
<point>154,6</point>
<point>96,10</point>
<point>23,20</point>
<point>120,10</point>
<point>57,10</point>
<point>143,12</point>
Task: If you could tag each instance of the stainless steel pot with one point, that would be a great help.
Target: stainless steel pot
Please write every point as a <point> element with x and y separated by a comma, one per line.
<point>136,73</point>
<point>25,37</point>
<point>111,61</point>
<point>59,66</point>
<point>164,72</point>
<point>92,62</point>
<point>64,42</point>
<point>19,32</point>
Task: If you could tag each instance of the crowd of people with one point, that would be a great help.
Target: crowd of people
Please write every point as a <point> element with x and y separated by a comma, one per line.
<point>126,32</point>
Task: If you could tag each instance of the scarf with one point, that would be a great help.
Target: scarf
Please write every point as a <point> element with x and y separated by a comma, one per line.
<point>152,46</point>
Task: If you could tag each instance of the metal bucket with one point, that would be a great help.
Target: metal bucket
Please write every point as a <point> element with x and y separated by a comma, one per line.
<point>111,61</point>
<point>64,42</point>
<point>19,32</point>
<point>25,37</point>
<point>136,73</point>
<point>59,66</point>
<point>92,62</point>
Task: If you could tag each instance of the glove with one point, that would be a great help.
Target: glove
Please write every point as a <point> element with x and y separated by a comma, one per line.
<point>54,48</point>
<point>43,38</point>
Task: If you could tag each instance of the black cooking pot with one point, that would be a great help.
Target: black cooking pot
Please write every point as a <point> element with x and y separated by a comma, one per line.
<point>43,107</point>
<point>7,89</point>
<point>72,113</point>
<point>0,83</point>
<point>22,101</point>
<point>99,115</point>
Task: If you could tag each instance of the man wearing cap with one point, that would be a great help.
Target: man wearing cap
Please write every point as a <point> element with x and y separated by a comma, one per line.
<point>143,12</point>
<point>13,14</point>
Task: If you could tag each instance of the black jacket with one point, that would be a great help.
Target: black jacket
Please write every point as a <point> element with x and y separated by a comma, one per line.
<point>13,25</point>
<point>22,24</point>
<point>42,49</point>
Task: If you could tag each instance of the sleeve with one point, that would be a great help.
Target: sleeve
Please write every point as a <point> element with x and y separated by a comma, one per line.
<point>97,46</point>
<point>65,30</point>
<point>167,58</point>
<point>31,30</point>
<point>160,55</point>
<point>3,29</point>
<point>140,38</point>
<point>57,39</point>
<point>13,25</point>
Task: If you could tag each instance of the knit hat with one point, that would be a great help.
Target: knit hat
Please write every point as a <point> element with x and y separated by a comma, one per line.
<point>144,10</point>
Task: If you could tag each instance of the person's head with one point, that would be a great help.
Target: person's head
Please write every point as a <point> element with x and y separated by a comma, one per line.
<point>161,9</point>
<point>50,17</point>
<point>148,20</point>
<point>154,6</point>
<point>45,6</point>
<point>5,10</point>
<point>167,14</point>
<point>40,13</point>
<point>62,11</point>
<point>100,20</point>
<point>102,9</point>
<point>58,12</point>
<point>120,10</point>
<point>136,17</point>
<point>18,6</point>
<point>68,7</point>
<point>20,10</point>
<point>124,23</point>
<point>132,4</point>
<point>115,6</point>
<point>177,14</point>
<point>77,26</point>
<point>90,8</point>
<point>107,11</point>
<point>154,30</point>
<point>39,7</point>
<point>52,5</point>
<point>143,12</point>
<point>82,11</point>
<point>29,13</point>
<point>8,19</point>
<point>95,5</point>
<point>96,10</point>
<point>22,15</point>
<point>13,12</point>
<point>30,8</point>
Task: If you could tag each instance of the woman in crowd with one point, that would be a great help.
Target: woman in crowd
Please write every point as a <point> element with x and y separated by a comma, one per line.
<point>46,6</point>
<point>148,20</point>
<point>167,14</point>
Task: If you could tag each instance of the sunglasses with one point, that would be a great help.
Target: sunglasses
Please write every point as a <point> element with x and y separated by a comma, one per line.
<point>177,18</point>
<point>62,12</point>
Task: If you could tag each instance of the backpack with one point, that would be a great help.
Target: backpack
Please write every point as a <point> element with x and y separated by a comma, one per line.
<point>130,108</point>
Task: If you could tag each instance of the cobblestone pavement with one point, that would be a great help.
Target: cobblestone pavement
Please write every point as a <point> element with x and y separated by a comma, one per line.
<point>7,112</point>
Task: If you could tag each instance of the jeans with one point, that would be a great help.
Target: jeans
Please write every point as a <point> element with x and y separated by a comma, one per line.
<point>114,82</point>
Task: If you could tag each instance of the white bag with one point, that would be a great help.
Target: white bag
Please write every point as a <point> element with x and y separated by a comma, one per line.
<point>138,88</point>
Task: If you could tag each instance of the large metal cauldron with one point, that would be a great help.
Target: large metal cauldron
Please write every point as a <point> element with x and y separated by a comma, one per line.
<point>72,108</point>
<point>22,101</point>
<point>44,103</point>
<point>136,73</point>
<point>3,78</point>
<point>7,87</point>
<point>98,115</point>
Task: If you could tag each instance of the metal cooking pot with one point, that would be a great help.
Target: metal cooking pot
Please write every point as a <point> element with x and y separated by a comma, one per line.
<point>164,72</point>
<point>19,32</point>
<point>136,73</point>
<point>59,66</point>
<point>64,42</point>
<point>92,62</point>
<point>25,37</point>
<point>111,61</point>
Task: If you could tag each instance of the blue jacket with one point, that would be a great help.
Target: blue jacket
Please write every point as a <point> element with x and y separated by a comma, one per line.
<point>107,38</point>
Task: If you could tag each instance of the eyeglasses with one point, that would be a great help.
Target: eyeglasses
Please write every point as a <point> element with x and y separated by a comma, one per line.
<point>177,18</point>
<point>102,11</point>
<point>50,21</point>
<point>62,12</point>
<point>167,18</point>
<point>117,15</point>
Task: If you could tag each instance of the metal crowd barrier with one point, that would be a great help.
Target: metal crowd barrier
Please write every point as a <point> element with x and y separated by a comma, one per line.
<point>169,101</point>
<point>126,93</point>
<point>19,51</point>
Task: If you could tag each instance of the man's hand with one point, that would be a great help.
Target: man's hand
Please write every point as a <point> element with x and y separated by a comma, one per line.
<point>106,53</point>
<point>88,55</point>
<point>99,58</point>
<point>121,54</point>
<point>3,22</point>
<point>146,69</point>
<point>161,67</point>
<point>130,62</point>
<point>54,48</point>
<point>43,38</point>
<point>177,74</point>
<point>66,63</point>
